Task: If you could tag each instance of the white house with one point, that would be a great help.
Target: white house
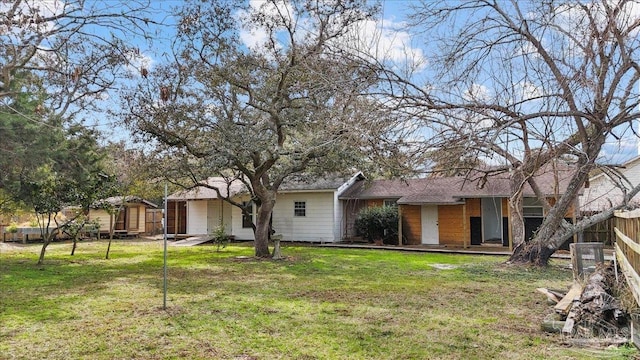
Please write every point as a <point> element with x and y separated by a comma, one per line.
<point>604,190</point>
<point>305,210</point>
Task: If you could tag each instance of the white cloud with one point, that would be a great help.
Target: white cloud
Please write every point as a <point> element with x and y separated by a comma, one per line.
<point>28,15</point>
<point>385,40</point>
<point>381,39</point>
<point>477,93</point>
<point>136,61</point>
<point>254,35</point>
<point>530,91</point>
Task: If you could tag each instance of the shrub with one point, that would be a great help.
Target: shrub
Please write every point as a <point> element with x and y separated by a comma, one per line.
<point>12,228</point>
<point>220,237</point>
<point>378,223</point>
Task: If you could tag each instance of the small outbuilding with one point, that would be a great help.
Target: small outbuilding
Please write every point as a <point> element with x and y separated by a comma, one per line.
<point>128,217</point>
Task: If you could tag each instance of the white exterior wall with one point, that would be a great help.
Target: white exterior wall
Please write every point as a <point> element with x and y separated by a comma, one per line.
<point>227,210</point>
<point>236,222</point>
<point>602,193</point>
<point>214,212</point>
<point>319,224</point>
<point>218,213</point>
<point>197,217</point>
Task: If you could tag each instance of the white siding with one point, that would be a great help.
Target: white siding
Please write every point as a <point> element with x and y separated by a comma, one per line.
<point>602,193</point>
<point>319,223</point>
<point>338,215</point>
<point>236,223</point>
<point>214,212</point>
<point>197,217</point>
<point>218,213</point>
<point>227,209</point>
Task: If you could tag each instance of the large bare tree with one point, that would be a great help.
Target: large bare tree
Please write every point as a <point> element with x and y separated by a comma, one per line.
<point>522,85</point>
<point>257,93</point>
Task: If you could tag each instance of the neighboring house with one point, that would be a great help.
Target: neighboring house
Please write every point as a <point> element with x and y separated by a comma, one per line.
<point>305,210</point>
<point>130,220</point>
<point>451,211</point>
<point>604,190</point>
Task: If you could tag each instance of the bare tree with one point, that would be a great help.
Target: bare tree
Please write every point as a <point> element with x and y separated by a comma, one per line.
<point>258,94</point>
<point>522,85</point>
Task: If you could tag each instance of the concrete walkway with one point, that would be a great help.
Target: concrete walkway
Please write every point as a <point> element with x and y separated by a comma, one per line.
<point>192,241</point>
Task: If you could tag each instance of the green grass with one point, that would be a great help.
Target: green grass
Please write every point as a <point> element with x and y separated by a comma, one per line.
<point>319,303</point>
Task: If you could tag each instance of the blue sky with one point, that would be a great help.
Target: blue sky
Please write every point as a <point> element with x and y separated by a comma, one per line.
<point>392,41</point>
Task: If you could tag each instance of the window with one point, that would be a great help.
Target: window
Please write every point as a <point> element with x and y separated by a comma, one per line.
<point>531,207</point>
<point>390,203</point>
<point>247,217</point>
<point>300,208</point>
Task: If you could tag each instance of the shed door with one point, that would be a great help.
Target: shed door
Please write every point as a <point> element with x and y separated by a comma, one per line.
<point>121,220</point>
<point>176,217</point>
<point>430,225</point>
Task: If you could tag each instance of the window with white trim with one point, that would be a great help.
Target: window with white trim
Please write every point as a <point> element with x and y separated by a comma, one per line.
<point>299,208</point>
<point>532,207</point>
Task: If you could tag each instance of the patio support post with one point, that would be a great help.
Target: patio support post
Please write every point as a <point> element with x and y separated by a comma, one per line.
<point>464,226</point>
<point>509,230</point>
<point>576,205</point>
<point>399,225</point>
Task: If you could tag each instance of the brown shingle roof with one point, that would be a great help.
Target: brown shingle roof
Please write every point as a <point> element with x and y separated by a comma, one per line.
<point>451,190</point>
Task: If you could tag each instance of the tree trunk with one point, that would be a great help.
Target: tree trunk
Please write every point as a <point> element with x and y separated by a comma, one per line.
<point>46,236</point>
<point>554,230</point>
<point>44,249</point>
<point>109,246</point>
<point>262,228</point>
<point>532,252</point>
<point>516,218</point>
<point>75,242</point>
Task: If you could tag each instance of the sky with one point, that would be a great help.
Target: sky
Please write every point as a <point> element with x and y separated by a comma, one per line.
<point>392,41</point>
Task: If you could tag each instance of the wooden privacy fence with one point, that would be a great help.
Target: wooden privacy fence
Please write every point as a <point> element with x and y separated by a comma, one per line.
<point>627,230</point>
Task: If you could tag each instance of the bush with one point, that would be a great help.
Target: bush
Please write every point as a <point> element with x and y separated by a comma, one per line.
<point>378,223</point>
<point>220,237</point>
<point>12,228</point>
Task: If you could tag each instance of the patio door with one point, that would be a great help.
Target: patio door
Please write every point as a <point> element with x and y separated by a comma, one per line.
<point>492,220</point>
<point>429,219</point>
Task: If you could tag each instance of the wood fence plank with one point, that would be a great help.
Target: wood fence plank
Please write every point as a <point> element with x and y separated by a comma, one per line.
<point>629,273</point>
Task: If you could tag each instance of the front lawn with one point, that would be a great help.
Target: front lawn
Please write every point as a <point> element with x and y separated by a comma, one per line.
<point>319,303</point>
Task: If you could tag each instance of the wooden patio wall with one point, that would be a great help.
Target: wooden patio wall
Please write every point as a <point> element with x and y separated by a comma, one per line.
<point>627,247</point>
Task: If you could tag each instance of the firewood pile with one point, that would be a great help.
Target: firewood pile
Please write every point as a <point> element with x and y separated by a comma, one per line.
<point>591,312</point>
